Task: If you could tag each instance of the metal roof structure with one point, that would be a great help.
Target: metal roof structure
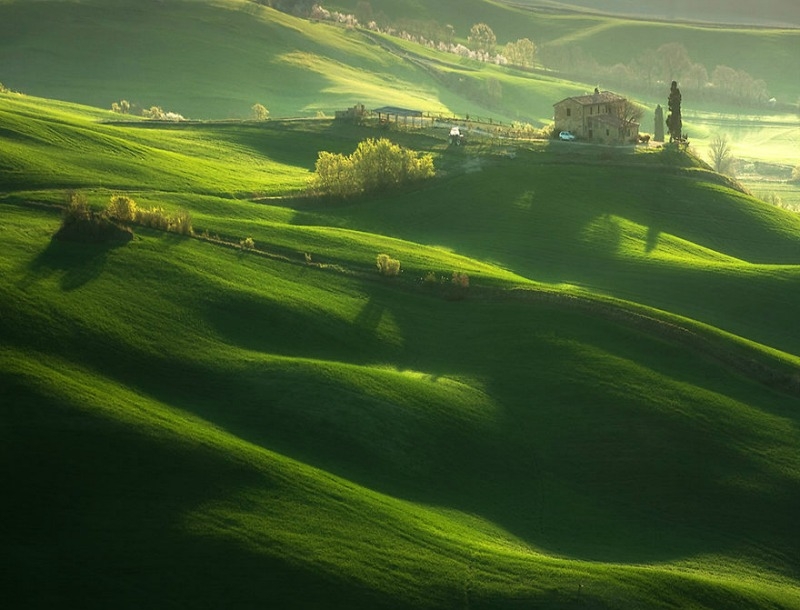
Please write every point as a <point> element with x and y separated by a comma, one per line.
<point>395,111</point>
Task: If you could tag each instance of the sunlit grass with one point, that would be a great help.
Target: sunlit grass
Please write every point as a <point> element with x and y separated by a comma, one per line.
<point>598,388</point>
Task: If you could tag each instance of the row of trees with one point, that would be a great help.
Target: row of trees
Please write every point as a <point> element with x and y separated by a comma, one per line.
<point>654,67</point>
<point>376,165</point>
<point>481,41</point>
<point>647,73</point>
<point>154,112</point>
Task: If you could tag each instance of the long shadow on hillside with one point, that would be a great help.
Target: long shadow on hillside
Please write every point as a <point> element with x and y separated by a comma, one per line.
<point>556,223</point>
<point>585,466</point>
<point>76,263</point>
<point>96,516</point>
<point>575,464</point>
<point>575,458</point>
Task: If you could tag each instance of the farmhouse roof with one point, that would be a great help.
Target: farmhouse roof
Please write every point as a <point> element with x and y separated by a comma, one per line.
<point>598,97</point>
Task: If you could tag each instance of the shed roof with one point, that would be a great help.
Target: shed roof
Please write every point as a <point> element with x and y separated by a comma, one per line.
<point>394,110</point>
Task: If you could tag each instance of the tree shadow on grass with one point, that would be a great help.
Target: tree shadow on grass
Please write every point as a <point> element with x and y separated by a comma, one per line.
<point>76,263</point>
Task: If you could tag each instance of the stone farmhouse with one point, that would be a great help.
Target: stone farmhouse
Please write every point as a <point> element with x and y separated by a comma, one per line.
<point>599,117</point>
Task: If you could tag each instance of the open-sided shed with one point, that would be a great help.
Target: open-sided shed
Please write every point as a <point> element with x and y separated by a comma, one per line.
<point>386,113</point>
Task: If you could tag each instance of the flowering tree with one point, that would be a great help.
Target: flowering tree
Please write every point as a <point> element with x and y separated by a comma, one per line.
<point>482,38</point>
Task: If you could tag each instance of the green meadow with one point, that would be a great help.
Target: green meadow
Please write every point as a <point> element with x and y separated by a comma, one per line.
<point>607,417</point>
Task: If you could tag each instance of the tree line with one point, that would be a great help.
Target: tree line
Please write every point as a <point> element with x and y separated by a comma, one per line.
<point>647,73</point>
<point>654,67</point>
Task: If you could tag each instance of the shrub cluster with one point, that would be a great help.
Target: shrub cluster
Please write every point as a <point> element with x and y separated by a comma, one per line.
<point>460,280</point>
<point>121,107</point>
<point>123,209</point>
<point>82,224</point>
<point>388,266</point>
<point>376,165</point>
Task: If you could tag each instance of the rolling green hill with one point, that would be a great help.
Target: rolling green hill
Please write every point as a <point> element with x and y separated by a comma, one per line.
<point>608,419</point>
<point>216,59</point>
<point>771,13</point>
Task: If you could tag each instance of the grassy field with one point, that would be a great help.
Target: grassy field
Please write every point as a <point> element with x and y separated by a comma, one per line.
<point>199,59</point>
<point>608,419</point>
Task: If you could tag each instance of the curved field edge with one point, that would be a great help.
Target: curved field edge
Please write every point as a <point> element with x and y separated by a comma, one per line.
<point>282,509</point>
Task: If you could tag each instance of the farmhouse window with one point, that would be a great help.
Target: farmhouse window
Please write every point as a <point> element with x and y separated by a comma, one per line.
<point>569,111</point>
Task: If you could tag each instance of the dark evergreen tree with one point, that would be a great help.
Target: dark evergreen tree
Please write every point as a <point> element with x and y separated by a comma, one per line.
<point>674,121</point>
<point>658,133</point>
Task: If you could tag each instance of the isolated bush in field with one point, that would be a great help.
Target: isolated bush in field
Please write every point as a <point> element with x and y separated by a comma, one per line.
<point>260,113</point>
<point>461,280</point>
<point>121,208</point>
<point>376,165</point>
<point>121,107</point>
<point>388,266</point>
<point>247,244</point>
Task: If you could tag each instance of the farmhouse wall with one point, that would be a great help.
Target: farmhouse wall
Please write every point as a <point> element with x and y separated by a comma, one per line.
<point>595,118</point>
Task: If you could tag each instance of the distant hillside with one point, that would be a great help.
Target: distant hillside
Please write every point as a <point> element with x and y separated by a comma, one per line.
<point>215,60</point>
<point>780,13</point>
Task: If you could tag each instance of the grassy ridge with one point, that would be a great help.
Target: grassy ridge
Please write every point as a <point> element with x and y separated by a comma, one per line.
<point>341,438</point>
<point>443,425</point>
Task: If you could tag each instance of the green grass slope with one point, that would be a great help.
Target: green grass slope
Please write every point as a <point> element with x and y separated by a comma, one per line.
<point>188,425</point>
<point>199,59</point>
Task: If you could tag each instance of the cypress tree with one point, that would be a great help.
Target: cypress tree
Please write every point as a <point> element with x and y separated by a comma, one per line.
<point>674,122</point>
<point>658,132</point>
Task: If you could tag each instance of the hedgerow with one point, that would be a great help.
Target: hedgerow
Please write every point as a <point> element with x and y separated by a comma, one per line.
<point>123,209</point>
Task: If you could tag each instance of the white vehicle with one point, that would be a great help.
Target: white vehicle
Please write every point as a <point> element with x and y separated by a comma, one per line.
<point>456,137</point>
<point>566,136</point>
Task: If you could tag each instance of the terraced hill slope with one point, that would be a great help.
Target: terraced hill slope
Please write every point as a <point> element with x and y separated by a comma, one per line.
<point>608,419</point>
